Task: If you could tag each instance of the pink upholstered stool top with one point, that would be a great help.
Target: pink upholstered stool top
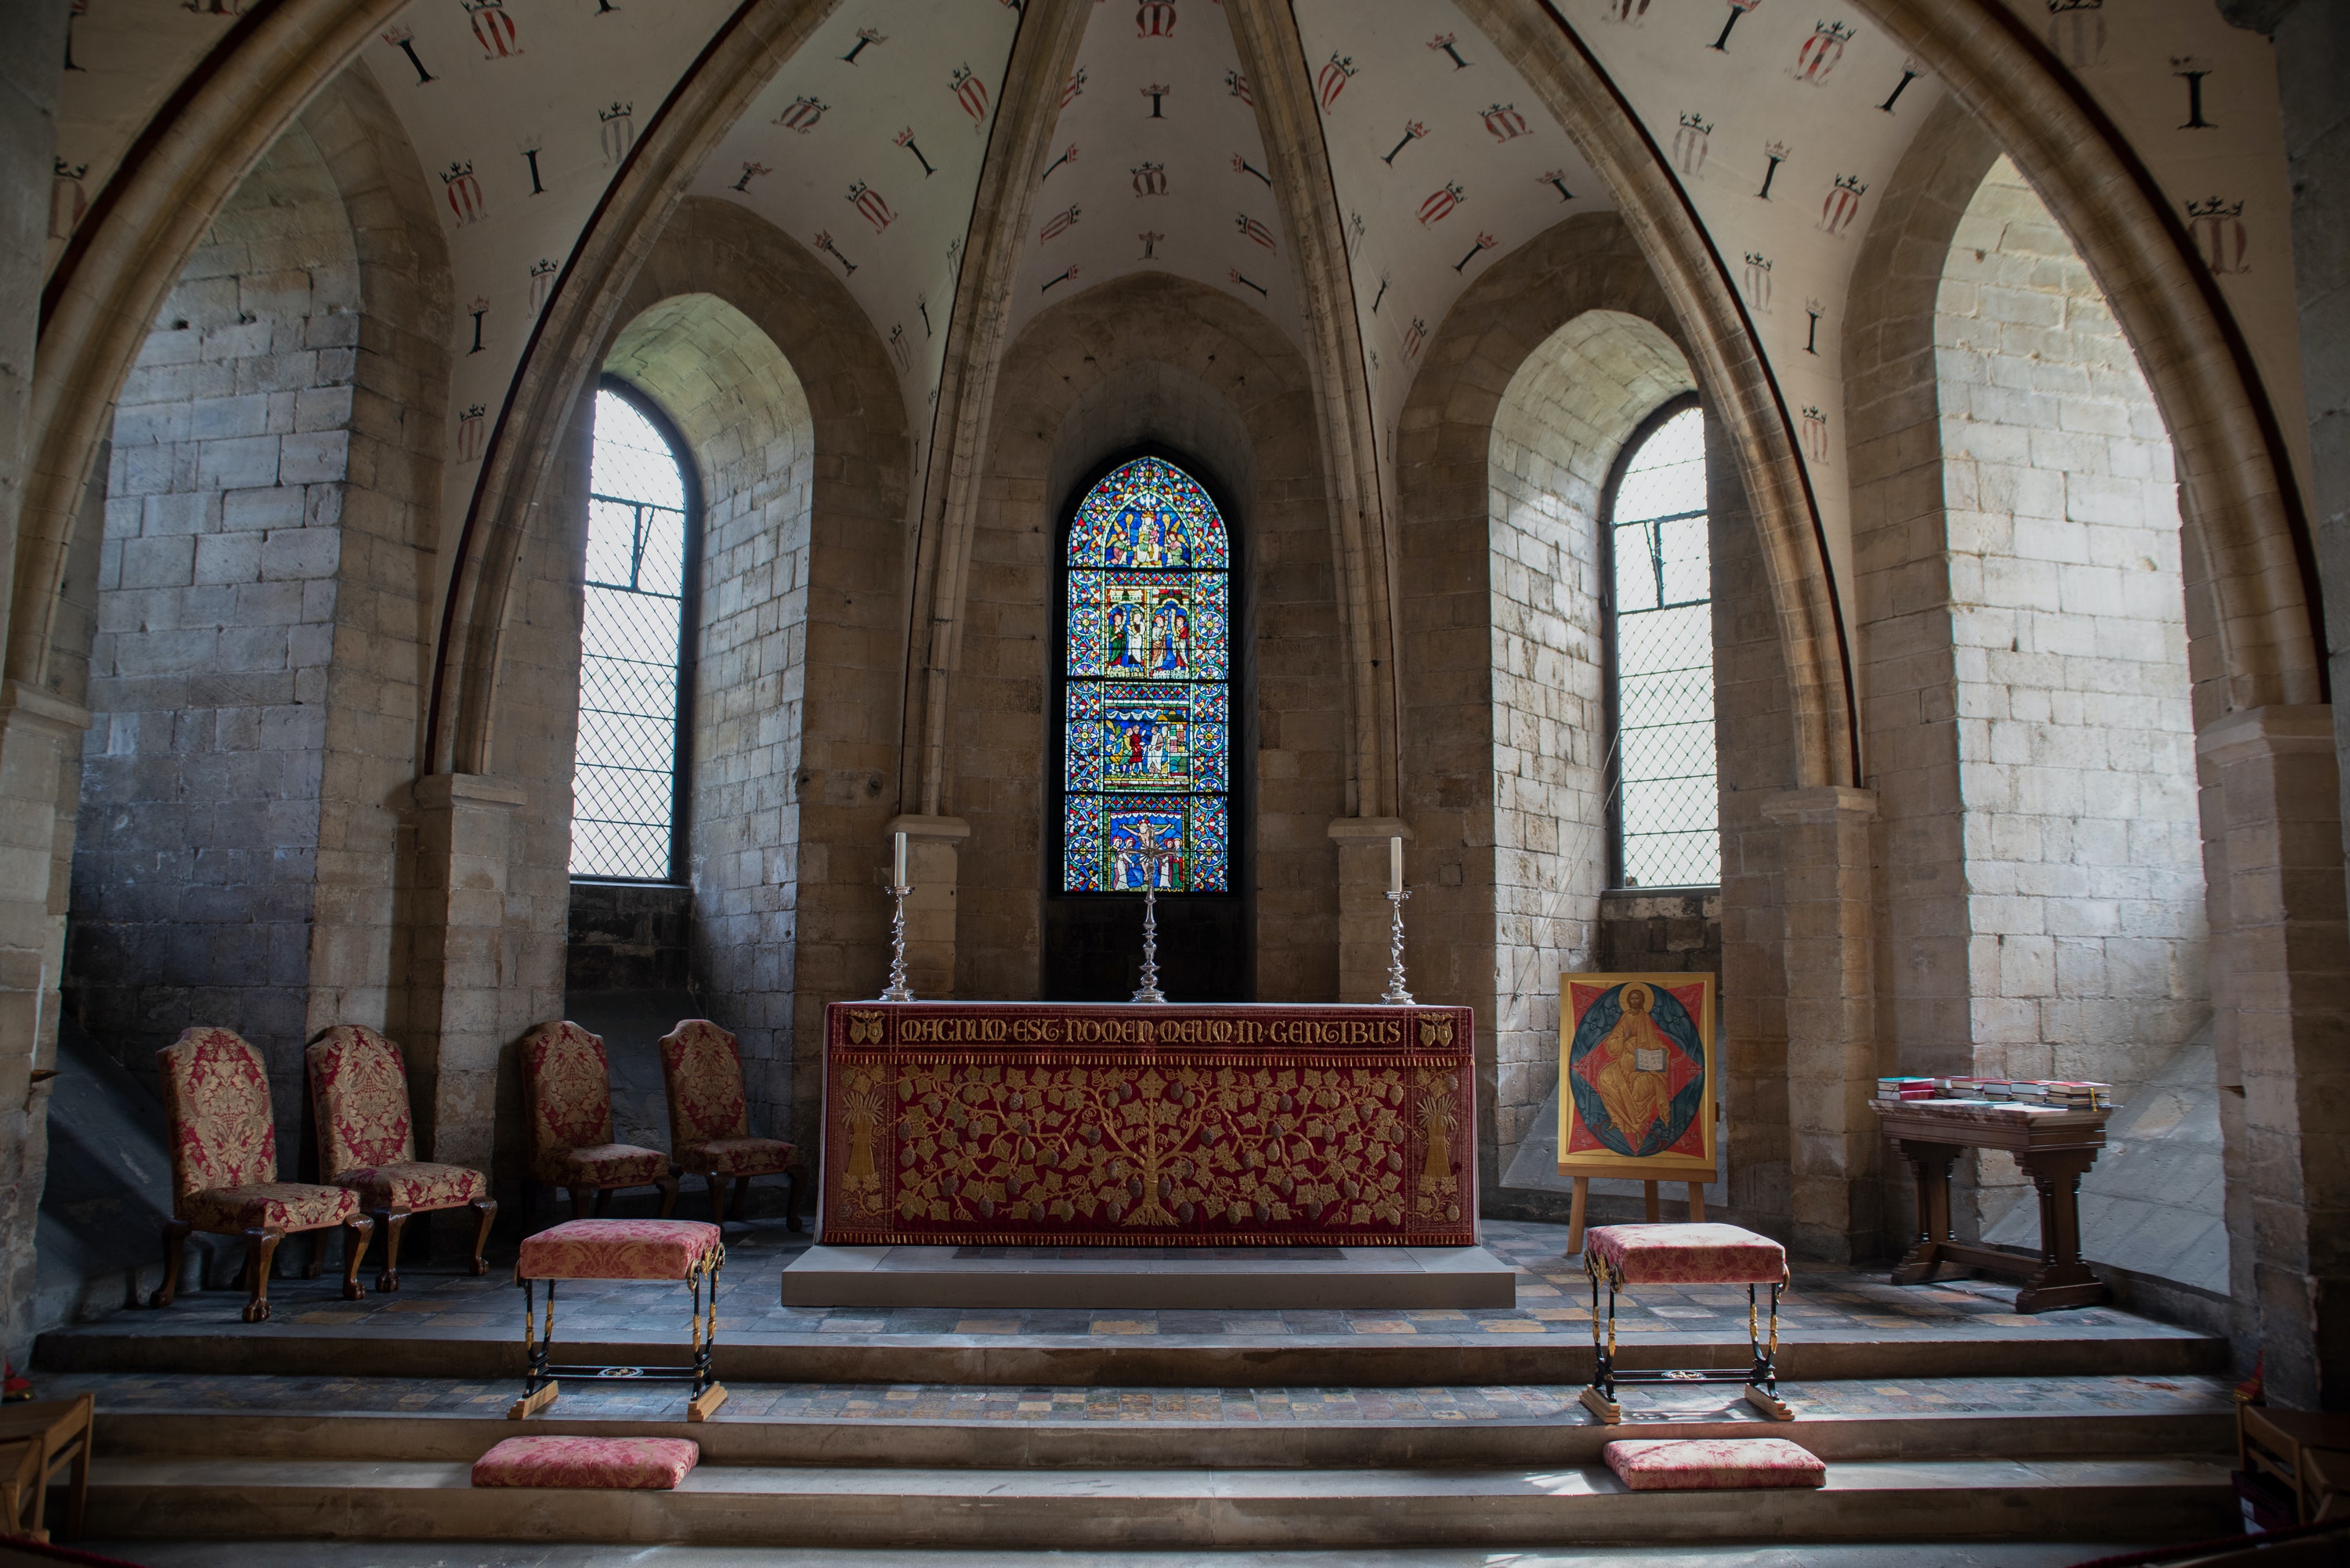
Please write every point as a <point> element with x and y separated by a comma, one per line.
<point>1681,1255</point>
<point>652,1464</point>
<point>621,1249</point>
<point>1712,1464</point>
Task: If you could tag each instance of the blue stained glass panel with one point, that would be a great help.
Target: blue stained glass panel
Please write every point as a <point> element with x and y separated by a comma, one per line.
<point>1147,725</point>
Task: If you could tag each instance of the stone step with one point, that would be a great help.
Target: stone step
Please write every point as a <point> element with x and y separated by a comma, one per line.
<point>142,1342</point>
<point>2081,1497</point>
<point>1163,1444</point>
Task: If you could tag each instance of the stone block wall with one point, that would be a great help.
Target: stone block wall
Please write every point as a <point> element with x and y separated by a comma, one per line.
<point>2077,771</point>
<point>1657,933</point>
<point>196,860</point>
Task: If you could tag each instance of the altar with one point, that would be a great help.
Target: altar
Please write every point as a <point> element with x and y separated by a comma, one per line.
<point>1263,1155</point>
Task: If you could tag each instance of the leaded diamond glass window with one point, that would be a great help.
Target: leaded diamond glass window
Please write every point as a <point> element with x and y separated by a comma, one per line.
<point>1667,808</point>
<point>624,785</point>
<point>1147,687</point>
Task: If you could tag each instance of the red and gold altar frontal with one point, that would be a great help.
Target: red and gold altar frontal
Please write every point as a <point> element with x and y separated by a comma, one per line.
<point>996,1124</point>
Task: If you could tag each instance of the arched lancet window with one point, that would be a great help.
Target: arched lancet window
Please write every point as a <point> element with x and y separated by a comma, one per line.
<point>1145,668</point>
<point>627,785</point>
<point>1667,815</point>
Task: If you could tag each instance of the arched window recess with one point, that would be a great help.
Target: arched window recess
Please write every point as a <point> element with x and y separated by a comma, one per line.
<point>628,785</point>
<point>1664,810</point>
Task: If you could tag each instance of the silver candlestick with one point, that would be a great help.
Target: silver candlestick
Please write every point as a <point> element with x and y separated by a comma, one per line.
<point>1397,996</point>
<point>1148,991</point>
<point>898,990</point>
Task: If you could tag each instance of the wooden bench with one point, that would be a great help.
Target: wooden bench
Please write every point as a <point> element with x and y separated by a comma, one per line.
<point>1624,1255</point>
<point>688,1251</point>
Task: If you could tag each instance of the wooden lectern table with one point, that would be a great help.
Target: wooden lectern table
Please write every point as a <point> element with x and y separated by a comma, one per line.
<point>2055,1149</point>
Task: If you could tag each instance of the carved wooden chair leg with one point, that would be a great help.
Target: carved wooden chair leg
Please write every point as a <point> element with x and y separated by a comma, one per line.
<point>718,1185</point>
<point>583,1199</point>
<point>357,1230</point>
<point>741,1208</point>
<point>175,1247</point>
<point>316,1261</point>
<point>668,1184</point>
<point>603,1201</point>
<point>260,1255</point>
<point>393,1221</point>
<point>487,1208</point>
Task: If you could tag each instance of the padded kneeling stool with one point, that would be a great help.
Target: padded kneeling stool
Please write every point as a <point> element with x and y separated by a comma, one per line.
<point>1713,1464</point>
<point>684,1250</point>
<point>1684,1255</point>
<point>642,1464</point>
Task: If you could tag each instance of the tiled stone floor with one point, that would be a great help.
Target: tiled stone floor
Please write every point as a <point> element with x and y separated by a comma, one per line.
<point>130,1393</point>
<point>1552,1298</point>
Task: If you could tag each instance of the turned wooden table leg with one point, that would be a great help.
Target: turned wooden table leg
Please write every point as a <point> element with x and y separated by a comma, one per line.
<point>2063,1279</point>
<point>1932,1164</point>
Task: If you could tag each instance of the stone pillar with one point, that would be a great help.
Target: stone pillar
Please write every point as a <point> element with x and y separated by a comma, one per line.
<point>39,735</point>
<point>459,962</point>
<point>1824,848</point>
<point>2281,981</point>
<point>932,861</point>
<point>1366,918</point>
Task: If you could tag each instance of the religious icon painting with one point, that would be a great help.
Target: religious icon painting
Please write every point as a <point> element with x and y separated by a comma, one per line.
<point>1637,1068</point>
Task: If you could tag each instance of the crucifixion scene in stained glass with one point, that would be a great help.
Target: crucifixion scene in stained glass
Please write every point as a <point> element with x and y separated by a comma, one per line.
<point>1148,723</point>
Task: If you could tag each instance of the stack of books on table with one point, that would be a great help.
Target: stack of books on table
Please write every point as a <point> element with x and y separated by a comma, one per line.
<point>2022,1094</point>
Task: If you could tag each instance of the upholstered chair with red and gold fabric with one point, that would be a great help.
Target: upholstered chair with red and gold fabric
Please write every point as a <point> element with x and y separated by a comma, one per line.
<point>710,1119</point>
<point>567,1083</point>
<point>367,1142</point>
<point>225,1168</point>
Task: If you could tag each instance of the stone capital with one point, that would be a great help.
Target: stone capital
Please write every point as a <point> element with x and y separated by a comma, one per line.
<point>1821,803</point>
<point>931,829</point>
<point>1361,829</point>
<point>22,703</point>
<point>2279,729</point>
<point>445,792</point>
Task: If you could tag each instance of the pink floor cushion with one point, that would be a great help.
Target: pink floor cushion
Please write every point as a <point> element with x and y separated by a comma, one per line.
<point>645,1464</point>
<point>1713,1464</point>
<point>1683,1255</point>
<point>619,1250</point>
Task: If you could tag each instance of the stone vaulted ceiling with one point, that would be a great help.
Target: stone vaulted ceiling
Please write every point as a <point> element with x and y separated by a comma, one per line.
<point>1779,126</point>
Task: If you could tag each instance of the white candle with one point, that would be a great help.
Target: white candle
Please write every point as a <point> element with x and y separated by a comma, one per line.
<point>1394,864</point>
<point>898,878</point>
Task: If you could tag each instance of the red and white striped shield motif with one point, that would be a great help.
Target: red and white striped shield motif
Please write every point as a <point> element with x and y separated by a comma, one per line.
<point>1056,225</point>
<point>2076,31</point>
<point>1332,79</point>
<point>1505,121</point>
<point>542,281</point>
<point>1415,338</point>
<point>803,115</point>
<point>1624,10</point>
<point>617,129</point>
<point>1253,230</point>
<point>473,428</point>
<point>493,29</point>
<point>2217,230</point>
<point>66,201</point>
<point>971,93</point>
<point>1690,143</point>
<point>464,193</point>
<point>1841,205</point>
<point>1441,202</point>
<point>1821,52</point>
<point>869,202</point>
<point>1815,435</point>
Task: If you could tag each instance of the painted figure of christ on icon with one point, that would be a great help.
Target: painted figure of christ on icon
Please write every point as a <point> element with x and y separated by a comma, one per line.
<point>1636,1076</point>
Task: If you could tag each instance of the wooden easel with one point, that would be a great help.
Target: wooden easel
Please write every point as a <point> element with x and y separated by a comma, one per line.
<point>1585,1176</point>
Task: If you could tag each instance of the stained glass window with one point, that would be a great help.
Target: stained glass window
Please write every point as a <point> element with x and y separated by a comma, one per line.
<point>1146,661</point>
<point>625,776</point>
<point>1667,807</point>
